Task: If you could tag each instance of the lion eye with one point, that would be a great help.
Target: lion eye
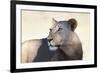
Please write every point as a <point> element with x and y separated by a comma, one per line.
<point>59,29</point>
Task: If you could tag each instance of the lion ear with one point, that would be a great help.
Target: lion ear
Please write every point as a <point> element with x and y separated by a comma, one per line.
<point>54,21</point>
<point>73,23</point>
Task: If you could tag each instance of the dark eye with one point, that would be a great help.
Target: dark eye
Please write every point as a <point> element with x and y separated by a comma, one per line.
<point>59,29</point>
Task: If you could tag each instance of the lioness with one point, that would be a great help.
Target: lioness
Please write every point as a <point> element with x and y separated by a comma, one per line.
<point>63,37</point>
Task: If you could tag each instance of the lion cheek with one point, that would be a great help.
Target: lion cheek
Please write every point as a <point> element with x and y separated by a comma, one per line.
<point>58,40</point>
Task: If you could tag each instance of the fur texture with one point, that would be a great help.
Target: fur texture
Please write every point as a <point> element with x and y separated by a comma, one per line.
<point>63,37</point>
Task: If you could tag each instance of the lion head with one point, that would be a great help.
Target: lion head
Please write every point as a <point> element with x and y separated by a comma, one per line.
<point>63,37</point>
<point>61,31</point>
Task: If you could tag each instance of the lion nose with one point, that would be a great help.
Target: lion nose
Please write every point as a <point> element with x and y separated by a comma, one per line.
<point>50,29</point>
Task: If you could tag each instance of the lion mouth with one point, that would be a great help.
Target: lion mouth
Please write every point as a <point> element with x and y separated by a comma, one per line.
<point>52,47</point>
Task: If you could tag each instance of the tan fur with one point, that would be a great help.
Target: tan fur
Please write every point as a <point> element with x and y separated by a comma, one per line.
<point>72,42</point>
<point>66,40</point>
<point>29,50</point>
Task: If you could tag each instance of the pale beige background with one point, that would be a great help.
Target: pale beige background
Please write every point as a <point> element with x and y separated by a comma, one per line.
<point>36,24</point>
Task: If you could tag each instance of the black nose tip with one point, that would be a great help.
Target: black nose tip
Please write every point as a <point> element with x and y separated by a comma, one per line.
<point>50,40</point>
<point>50,29</point>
